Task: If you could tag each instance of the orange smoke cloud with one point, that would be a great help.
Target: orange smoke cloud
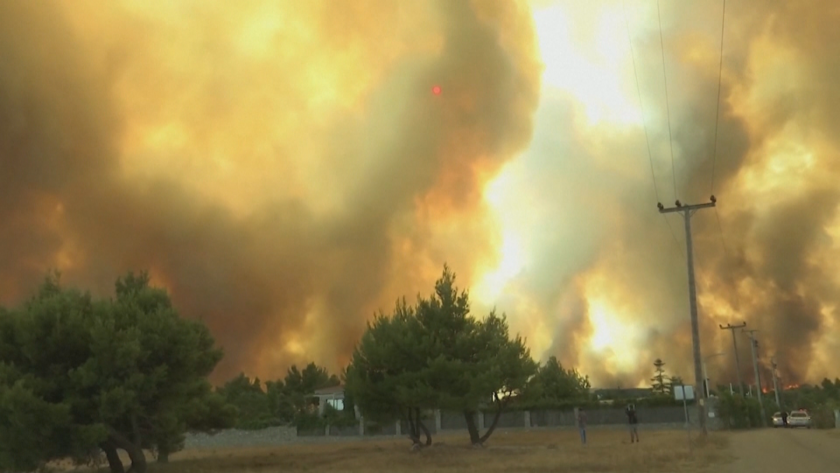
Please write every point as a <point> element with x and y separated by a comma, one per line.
<point>282,169</point>
<point>285,170</point>
<point>604,274</point>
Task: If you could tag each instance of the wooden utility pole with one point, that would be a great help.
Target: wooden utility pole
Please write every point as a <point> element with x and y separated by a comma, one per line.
<point>732,328</point>
<point>776,384</point>
<point>754,346</point>
<point>688,211</point>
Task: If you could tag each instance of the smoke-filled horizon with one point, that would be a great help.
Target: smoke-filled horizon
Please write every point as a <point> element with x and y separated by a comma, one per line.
<point>286,171</point>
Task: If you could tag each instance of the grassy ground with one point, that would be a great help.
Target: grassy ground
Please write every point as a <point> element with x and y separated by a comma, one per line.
<point>523,451</point>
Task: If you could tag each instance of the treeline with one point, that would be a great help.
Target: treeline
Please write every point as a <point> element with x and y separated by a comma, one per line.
<point>435,355</point>
<point>430,355</point>
<point>286,401</point>
<point>82,376</point>
<point>819,400</point>
<point>290,401</point>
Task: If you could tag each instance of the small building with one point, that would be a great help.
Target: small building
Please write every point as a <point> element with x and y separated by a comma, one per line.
<point>332,396</point>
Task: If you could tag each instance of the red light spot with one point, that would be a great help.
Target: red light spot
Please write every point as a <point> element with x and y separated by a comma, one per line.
<point>436,90</point>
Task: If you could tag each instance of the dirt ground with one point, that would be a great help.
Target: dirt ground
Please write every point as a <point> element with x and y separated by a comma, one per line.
<point>608,451</point>
<point>784,450</point>
<point>509,452</point>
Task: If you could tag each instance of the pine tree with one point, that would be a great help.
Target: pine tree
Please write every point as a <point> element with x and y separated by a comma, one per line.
<point>659,382</point>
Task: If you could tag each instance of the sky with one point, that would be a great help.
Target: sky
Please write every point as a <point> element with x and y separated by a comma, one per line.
<point>285,170</point>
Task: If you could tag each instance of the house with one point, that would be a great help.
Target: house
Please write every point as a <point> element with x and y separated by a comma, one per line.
<point>332,396</point>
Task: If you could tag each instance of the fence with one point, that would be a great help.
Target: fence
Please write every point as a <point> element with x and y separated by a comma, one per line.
<point>662,417</point>
<point>438,421</point>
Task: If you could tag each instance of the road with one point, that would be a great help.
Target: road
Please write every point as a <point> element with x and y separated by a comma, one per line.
<point>785,450</point>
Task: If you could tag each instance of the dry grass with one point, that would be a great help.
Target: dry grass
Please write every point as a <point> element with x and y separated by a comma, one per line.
<point>524,452</point>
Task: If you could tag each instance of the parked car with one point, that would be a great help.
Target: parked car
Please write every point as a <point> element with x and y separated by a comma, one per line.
<point>799,419</point>
<point>778,420</point>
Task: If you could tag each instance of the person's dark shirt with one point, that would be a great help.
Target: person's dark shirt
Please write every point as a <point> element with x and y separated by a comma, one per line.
<point>631,416</point>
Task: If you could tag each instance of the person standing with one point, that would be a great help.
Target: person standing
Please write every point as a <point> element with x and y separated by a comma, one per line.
<point>633,422</point>
<point>784,419</point>
<point>581,420</point>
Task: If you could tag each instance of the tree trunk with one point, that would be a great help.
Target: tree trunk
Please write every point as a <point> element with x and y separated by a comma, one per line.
<point>469,416</point>
<point>413,432</point>
<point>163,456</point>
<point>135,452</point>
<point>114,462</point>
<point>493,424</point>
<point>425,431</point>
<point>136,439</point>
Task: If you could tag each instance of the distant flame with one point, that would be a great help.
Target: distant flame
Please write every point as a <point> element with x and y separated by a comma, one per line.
<point>792,386</point>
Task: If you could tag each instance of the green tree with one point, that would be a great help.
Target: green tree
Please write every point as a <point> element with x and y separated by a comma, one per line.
<point>674,381</point>
<point>484,369</point>
<point>831,389</point>
<point>555,384</point>
<point>78,374</point>
<point>389,372</point>
<point>251,402</point>
<point>291,399</point>
<point>436,355</point>
<point>659,382</point>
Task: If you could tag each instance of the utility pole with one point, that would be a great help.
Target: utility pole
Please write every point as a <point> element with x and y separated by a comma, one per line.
<point>754,345</point>
<point>688,211</point>
<point>776,384</point>
<point>707,392</point>
<point>735,348</point>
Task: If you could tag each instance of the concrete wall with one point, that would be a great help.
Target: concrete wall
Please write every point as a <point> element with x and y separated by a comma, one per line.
<point>666,417</point>
<point>449,421</point>
<point>242,438</point>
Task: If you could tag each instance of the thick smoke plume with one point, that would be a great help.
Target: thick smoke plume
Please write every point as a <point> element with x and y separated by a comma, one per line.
<point>619,275</point>
<point>283,170</point>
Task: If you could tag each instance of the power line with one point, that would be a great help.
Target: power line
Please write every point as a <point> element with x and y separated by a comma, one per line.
<point>641,106</point>
<point>667,104</point>
<point>722,239</point>
<point>674,235</point>
<point>717,112</point>
<point>714,153</point>
<point>644,126</point>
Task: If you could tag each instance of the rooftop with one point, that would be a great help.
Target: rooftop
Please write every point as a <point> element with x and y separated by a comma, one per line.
<point>329,390</point>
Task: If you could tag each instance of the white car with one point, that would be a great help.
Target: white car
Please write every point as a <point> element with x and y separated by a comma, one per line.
<point>799,419</point>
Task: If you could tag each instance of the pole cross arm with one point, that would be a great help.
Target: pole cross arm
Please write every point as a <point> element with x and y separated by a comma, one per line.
<point>685,208</point>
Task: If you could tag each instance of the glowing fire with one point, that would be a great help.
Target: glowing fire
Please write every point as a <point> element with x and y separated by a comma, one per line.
<point>792,386</point>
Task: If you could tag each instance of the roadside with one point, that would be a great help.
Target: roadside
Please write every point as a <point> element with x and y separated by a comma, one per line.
<point>772,450</point>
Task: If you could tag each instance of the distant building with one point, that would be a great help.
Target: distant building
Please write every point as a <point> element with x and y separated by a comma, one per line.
<point>332,396</point>
<point>614,394</point>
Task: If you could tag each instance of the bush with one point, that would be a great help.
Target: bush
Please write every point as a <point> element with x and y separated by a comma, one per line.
<point>742,413</point>
<point>823,417</point>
